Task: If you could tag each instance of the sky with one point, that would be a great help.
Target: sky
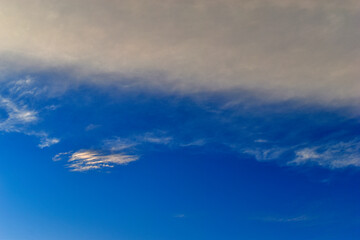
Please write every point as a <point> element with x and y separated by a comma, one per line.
<point>196,119</point>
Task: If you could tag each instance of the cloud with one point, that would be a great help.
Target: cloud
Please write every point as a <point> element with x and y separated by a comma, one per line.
<point>60,156</point>
<point>331,155</point>
<point>119,144</point>
<point>116,151</point>
<point>47,141</point>
<point>328,154</point>
<point>195,143</point>
<point>85,160</point>
<point>17,116</point>
<point>288,48</point>
<point>25,87</point>
<point>92,127</point>
<point>264,154</point>
<point>154,137</point>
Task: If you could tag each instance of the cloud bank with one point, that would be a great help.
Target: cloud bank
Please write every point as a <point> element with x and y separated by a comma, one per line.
<point>286,47</point>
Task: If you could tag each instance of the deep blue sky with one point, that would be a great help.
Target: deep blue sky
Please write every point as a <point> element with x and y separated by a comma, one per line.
<point>203,171</point>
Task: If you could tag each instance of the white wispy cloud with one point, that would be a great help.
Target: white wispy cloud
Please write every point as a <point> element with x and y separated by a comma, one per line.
<point>119,144</point>
<point>60,156</point>
<point>194,143</point>
<point>25,87</point>
<point>119,151</point>
<point>47,141</point>
<point>85,160</point>
<point>264,154</point>
<point>17,116</point>
<point>112,152</point>
<point>92,127</point>
<point>331,155</point>
<point>290,48</point>
<point>155,137</point>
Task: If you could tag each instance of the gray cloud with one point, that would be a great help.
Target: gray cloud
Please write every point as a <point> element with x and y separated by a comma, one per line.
<point>286,47</point>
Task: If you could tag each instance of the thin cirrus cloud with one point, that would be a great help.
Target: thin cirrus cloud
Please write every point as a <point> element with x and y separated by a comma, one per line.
<point>17,117</point>
<point>85,160</point>
<point>45,140</point>
<point>153,138</point>
<point>297,149</point>
<point>286,47</point>
<point>114,151</point>
<point>328,155</point>
<point>335,155</point>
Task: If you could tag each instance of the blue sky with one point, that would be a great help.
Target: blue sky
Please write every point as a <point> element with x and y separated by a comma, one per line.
<point>181,128</point>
